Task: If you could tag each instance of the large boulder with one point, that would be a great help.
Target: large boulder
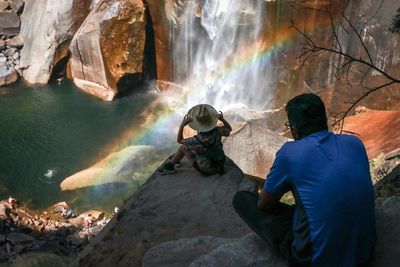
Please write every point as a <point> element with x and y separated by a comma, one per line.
<point>253,147</point>
<point>131,164</point>
<point>107,52</point>
<point>252,251</point>
<point>183,205</point>
<point>47,28</point>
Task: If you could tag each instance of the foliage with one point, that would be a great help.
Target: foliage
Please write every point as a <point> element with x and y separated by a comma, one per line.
<point>357,27</point>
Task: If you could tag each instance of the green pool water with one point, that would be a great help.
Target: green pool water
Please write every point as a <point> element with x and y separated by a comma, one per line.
<point>50,132</point>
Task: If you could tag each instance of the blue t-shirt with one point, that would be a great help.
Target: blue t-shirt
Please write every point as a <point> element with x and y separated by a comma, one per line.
<point>328,174</point>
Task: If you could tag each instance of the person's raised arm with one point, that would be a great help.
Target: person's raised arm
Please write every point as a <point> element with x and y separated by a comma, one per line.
<point>222,119</point>
<point>186,120</point>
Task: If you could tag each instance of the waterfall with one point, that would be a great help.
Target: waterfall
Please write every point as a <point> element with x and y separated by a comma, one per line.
<point>218,52</point>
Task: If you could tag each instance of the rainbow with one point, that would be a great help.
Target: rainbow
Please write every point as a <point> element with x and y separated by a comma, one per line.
<point>161,116</point>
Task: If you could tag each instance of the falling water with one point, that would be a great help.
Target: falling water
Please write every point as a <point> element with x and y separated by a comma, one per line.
<point>216,52</point>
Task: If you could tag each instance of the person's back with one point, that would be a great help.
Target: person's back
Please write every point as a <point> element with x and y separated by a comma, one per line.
<point>333,223</point>
<point>334,198</point>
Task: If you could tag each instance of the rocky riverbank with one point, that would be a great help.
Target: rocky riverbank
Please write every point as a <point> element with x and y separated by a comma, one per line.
<point>10,42</point>
<point>24,232</point>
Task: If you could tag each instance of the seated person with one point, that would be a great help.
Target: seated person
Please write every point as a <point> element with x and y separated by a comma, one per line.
<point>333,221</point>
<point>204,150</point>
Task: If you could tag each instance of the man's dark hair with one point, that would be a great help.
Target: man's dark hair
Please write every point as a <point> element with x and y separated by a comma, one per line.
<point>306,112</point>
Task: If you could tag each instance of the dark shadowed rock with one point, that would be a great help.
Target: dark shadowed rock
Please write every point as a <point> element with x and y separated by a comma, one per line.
<point>388,230</point>
<point>183,205</point>
<point>19,238</point>
<point>213,252</point>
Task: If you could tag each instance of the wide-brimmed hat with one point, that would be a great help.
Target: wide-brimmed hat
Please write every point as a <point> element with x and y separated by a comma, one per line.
<point>204,116</point>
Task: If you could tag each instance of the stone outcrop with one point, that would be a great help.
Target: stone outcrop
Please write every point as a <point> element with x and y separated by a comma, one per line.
<point>25,234</point>
<point>183,205</point>
<point>47,28</point>
<point>186,219</point>
<point>107,52</point>
<point>118,167</point>
<point>253,147</point>
<point>252,251</point>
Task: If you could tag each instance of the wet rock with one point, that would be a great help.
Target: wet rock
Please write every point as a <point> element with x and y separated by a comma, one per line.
<point>47,27</point>
<point>7,75</point>
<point>19,238</point>
<point>9,23</point>
<point>109,48</point>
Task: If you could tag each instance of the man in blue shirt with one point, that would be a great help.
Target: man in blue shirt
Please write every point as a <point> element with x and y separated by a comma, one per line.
<point>333,221</point>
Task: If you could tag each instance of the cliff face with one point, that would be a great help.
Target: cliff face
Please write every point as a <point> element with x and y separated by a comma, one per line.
<point>107,52</point>
<point>47,28</point>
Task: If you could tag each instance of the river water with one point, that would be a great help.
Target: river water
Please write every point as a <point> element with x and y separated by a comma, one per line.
<point>51,132</point>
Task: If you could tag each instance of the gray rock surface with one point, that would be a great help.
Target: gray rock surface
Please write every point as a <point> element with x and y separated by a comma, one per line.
<point>184,205</point>
<point>9,23</point>
<point>253,147</point>
<point>210,251</point>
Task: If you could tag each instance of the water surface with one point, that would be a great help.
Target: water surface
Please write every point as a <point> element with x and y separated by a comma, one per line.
<point>50,132</point>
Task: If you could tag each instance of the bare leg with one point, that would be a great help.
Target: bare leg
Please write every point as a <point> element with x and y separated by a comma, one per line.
<point>180,153</point>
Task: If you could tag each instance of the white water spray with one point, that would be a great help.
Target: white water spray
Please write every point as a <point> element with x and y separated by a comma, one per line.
<point>217,51</point>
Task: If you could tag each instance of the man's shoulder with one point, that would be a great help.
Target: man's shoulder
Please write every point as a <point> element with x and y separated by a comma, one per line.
<point>350,139</point>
